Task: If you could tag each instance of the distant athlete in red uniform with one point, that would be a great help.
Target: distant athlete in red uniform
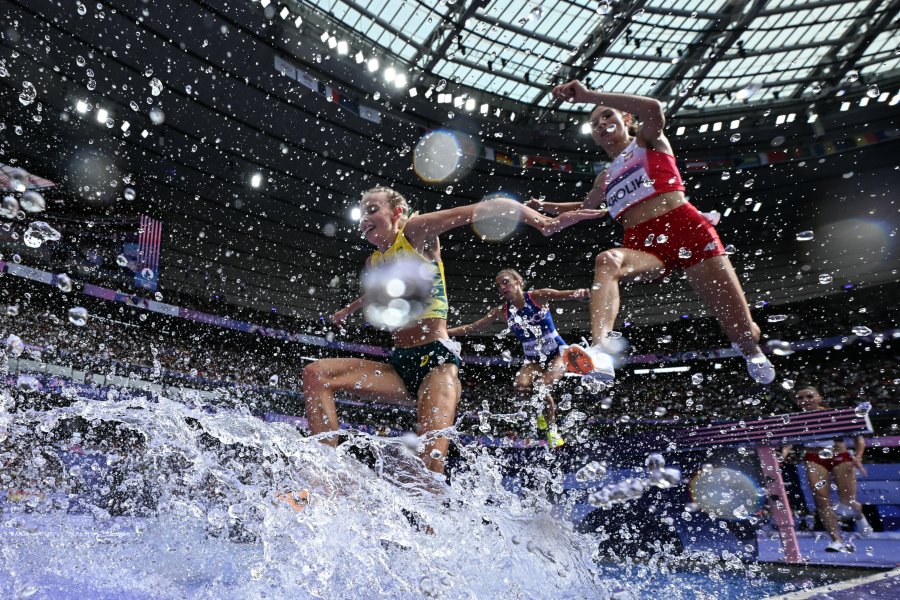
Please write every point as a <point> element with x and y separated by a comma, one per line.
<point>642,189</point>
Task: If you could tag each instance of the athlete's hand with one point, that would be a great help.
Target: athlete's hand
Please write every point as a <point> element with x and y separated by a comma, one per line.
<point>340,316</point>
<point>583,294</point>
<point>859,467</point>
<point>573,216</point>
<point>574,91</point>
<point>535,203</point>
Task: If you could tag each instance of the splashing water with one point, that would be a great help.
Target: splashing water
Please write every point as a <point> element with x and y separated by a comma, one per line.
<point>159,498</point>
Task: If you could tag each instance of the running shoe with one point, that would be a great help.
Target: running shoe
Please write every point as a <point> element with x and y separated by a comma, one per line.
<point>554,439</point>
<point>760,369</point>
<point>840,546</point>
<point>589,360</point>
<point>862,525</point>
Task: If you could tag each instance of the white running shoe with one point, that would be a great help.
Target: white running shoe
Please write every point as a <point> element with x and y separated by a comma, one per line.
<point>840,546</point>
<point>862,525</point>
<point>760,369</point>
<point>589,360</point>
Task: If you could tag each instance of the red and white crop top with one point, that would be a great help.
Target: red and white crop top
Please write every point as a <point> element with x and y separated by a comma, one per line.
<point>637,174</point>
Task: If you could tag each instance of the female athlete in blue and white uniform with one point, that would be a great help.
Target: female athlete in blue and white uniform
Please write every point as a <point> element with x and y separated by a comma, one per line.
<point>528,317</point>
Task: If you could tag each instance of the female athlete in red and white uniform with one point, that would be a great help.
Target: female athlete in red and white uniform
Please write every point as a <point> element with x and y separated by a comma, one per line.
<point>642,189</point>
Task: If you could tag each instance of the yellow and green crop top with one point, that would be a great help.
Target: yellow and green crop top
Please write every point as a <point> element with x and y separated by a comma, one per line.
<point>438,307</point>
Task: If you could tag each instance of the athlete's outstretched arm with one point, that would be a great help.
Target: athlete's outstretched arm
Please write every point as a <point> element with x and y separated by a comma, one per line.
<point>339,317</point>
<point>594,199</point>
<point>494,315</point>
<point>648,110</point>
<point>543,295</point>
<point>420,227</point>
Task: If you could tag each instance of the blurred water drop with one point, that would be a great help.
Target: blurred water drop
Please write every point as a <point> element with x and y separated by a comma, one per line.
<point>825,278</point>
<point>735,137</point>
<point>729,249</point>
<point>121,260</point>
<point>39,232</point>
<point>78,316</point>
<point>26,591</point>
<point>33,202</point>
<point>697,378</point>
<point>14,345</point>
<point>147,273</point>
<point>592,470</point>
<point>776,318</point>
<point>129,194</point>
<point>852,75</point>
<point>9,207</point>
<point>659,412</point>
<point>826,453</point>
<point>81,8</point>
<point>805,236</point>
<point>861,330</point>
<point>862,409</point>
<point>64,282</point>
<point>726,175</point>
<point>156,86</point>
<point>872,91</point>
<point>134,106</point>
<point>80,61</point>
<point>157,116</point>
<point>684,253</point>
<point>662,238</point>
<point>28,95</point>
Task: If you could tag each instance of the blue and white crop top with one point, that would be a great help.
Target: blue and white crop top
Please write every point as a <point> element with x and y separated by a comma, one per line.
<point>534,327</point>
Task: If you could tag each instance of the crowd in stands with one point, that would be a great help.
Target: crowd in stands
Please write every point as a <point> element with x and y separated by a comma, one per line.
<point>184,353</point>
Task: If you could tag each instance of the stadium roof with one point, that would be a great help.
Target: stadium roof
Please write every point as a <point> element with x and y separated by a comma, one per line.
<point>707,55</point>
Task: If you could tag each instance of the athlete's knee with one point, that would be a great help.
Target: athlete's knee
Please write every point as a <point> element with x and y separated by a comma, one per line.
<point>609,263</point>
<point>315,375</point>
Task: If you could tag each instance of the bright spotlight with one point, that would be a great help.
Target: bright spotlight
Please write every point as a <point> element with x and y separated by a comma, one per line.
<point>324,37</point>
<point>256,180</point>
<point>332,42</point>
<point>400,81</point>
<point>81,106</point>
<point>470,104</point>
<point>586,128</point>
<point>359,57</point>
<point>389,74</point>
<point>102,115</point>
<point>373,64</point>
<point>342,47</point>
<point>355,214</point>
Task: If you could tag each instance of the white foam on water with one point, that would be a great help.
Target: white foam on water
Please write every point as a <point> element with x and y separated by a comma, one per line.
<point>193,513</point>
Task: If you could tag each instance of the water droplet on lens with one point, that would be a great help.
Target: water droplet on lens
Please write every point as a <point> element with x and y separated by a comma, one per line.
<point>64,282</point>
<point>873,91</point>
<point>697,378</point>
<point>129,194</point>
<point>862,409</point>
<point>805,236</point>
<point>735,137</point>
<point>852,75</point>
<point>78,316</point>
<point>28,94</point>
<point>776,318</point>
<point>861,330</point>
<point>825,278</point>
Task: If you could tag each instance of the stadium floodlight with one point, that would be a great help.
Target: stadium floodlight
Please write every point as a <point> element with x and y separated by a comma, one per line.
<point>102,115</point>
<point>735,124</point>
<point>679,131</point>
<point>256,180</point>
<point>400,80</point>
<point>470,104</point>
<point>373,65</point>
<point>704,128</point>
<point>717,126</point>
<point>325,35</point>
<point>390,74</point>
<point>342,47</point>
<point>81,106</point>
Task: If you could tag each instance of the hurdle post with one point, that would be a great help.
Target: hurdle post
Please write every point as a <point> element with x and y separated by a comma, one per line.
<point>779,505</point>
